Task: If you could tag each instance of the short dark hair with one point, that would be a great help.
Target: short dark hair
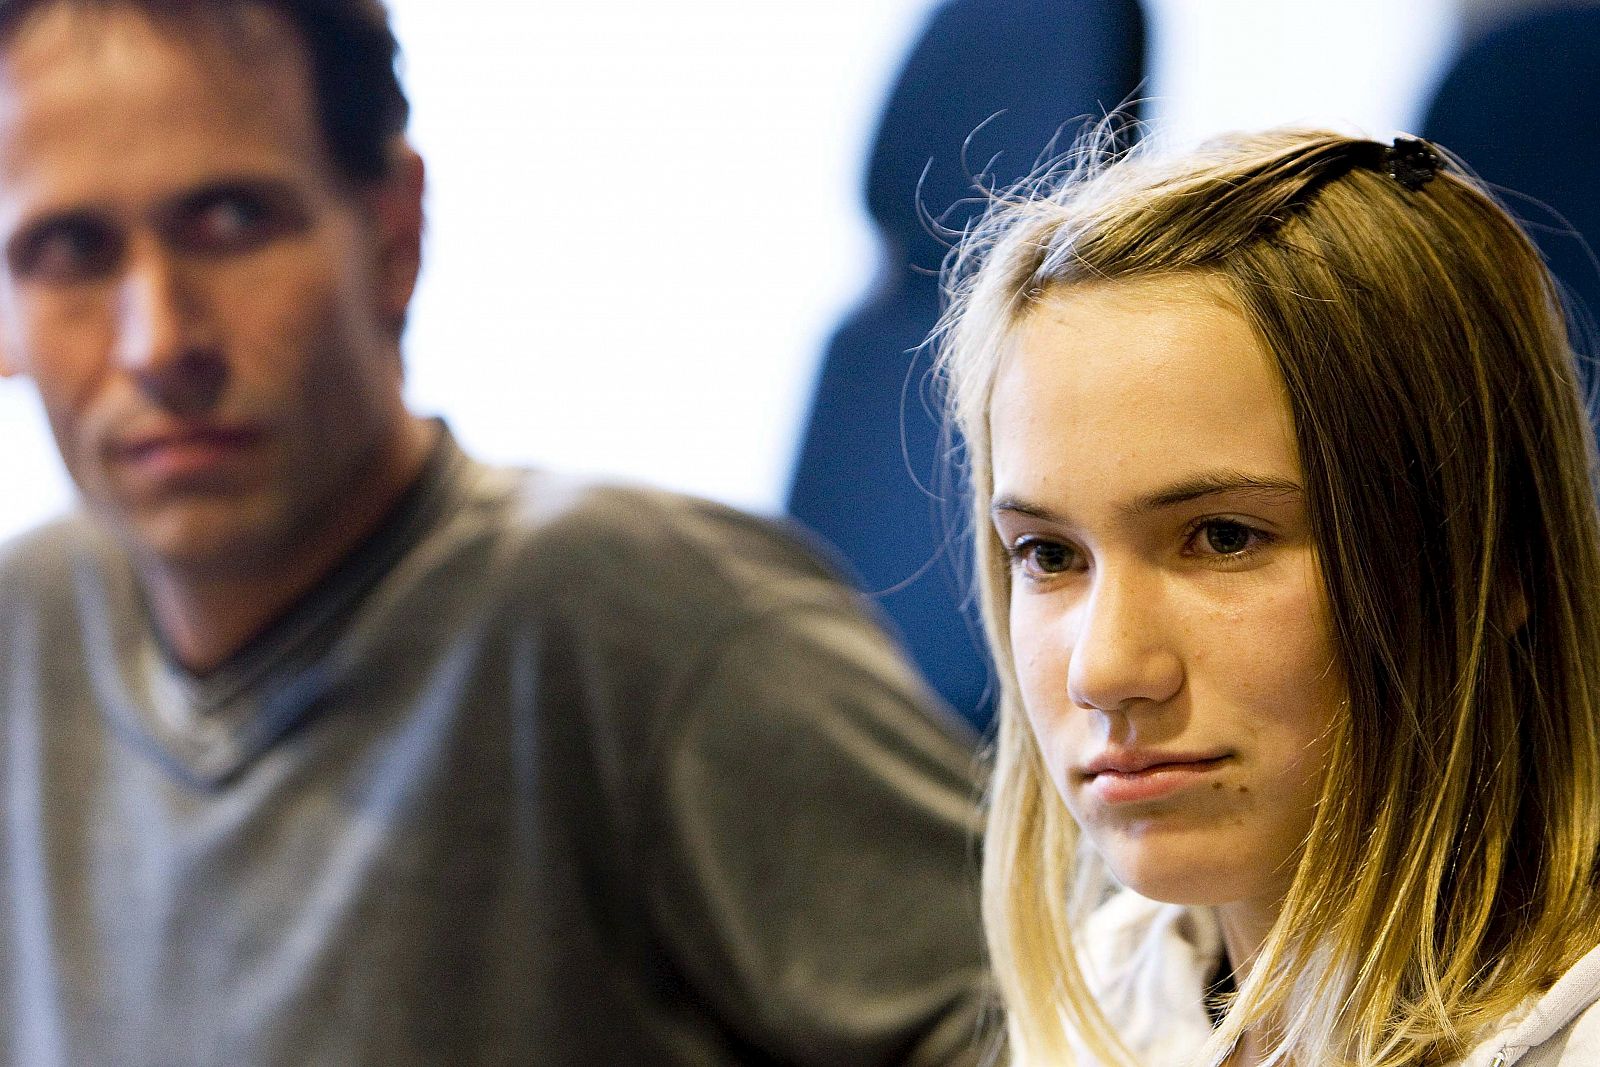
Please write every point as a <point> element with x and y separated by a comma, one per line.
<point>361,106</point>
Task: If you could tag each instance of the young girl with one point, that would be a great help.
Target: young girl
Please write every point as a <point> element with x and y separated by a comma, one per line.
<point>1290,564</point>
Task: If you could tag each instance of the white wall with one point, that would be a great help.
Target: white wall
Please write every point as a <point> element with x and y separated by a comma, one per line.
<point>644,223</point>
<point>1364,66</point>
<point>645,215</point>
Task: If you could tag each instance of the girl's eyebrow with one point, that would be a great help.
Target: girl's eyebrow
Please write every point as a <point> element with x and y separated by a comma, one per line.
<point>1210,483</point>
<point>1214,483</point>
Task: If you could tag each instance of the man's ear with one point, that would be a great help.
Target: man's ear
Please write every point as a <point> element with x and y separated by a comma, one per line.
<point>9,368</point>
<point>395,204</point>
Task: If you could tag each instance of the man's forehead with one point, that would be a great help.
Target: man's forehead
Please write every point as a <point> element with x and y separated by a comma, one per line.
<point>64,51</point>
<point>109,83</point>
<point>249,30</point>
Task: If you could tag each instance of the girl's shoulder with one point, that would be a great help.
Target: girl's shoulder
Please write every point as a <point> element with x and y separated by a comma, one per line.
<point>1148,965</point>
<point>1560,1028</point>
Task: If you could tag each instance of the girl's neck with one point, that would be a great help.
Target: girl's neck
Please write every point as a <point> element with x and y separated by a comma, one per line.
<point>1247,1053</point>
<point>1245,926</point>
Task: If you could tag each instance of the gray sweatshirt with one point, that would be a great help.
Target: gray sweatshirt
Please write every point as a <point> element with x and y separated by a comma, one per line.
<point>545,773</point>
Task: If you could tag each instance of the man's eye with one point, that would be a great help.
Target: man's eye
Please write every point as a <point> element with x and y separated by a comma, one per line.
<point>66,250</point>
<point>225,224</point>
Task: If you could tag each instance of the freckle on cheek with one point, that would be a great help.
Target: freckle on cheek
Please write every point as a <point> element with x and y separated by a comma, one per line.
<point>1216,785</point>
<point>1244,789</point>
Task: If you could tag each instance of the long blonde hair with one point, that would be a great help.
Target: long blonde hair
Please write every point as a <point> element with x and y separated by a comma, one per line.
<point>1450,870</point>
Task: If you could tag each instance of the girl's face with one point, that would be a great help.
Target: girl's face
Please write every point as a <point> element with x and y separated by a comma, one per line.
<point>1168,620</point>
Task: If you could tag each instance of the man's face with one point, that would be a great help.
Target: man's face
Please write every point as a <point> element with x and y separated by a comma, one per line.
<point>208,312</point>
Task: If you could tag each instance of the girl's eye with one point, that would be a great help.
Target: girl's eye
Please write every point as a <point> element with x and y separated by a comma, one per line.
<point>1223,537</point>
<point>1040,558</point>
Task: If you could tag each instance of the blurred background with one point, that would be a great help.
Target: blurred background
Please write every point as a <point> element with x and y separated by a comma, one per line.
<point>653,233</point>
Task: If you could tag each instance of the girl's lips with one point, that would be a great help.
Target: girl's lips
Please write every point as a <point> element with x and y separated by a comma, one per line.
<point>1151,780</point>
<point>1132,760</point>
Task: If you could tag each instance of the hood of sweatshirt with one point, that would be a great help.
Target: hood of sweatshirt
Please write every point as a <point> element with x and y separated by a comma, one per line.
<point>1149,963</point>
<point>1561,1027</point>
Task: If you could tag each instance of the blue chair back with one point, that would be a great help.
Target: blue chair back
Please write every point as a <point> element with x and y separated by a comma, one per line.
<point>1522,107</point>
<point>872,476</point>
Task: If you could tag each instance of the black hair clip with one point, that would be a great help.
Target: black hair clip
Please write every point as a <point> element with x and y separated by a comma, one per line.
<point>1411,162</point>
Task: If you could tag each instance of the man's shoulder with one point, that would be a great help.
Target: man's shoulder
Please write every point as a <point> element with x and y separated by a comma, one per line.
<point>577,533</point>
<point>45,573</point>
<point>46,555</point>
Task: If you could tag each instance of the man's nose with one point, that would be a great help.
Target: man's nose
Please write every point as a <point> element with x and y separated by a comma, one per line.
<point>163,339</point>
<point>1121,654</point>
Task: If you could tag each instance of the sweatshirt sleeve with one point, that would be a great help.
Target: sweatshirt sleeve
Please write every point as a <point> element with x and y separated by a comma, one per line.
<point>810,850</point>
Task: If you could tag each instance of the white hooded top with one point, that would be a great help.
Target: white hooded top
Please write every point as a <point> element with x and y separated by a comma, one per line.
<point>1148,964</point>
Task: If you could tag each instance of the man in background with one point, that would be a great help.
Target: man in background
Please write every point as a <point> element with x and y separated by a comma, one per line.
<point>321,742</point>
